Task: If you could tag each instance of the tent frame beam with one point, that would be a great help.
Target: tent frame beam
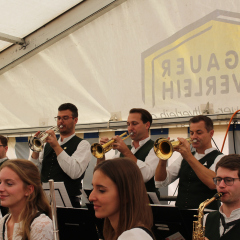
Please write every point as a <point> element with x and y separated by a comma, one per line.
<point>12,39</point>
<point>221,119</point>
<point>50,33</point>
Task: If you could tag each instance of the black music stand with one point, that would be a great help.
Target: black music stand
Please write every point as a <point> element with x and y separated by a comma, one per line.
<point>168,220</point>
<point>76,223</point>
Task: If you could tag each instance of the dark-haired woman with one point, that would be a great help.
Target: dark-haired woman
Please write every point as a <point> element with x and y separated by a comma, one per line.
<point>119,195</point>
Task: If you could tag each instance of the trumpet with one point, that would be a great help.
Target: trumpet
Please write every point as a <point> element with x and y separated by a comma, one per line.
<point>163,148</point>
<point>99,150</point>
<point>36,143</point>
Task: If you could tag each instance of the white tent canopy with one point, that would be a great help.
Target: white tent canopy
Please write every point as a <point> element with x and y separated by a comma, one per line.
<point>174,58</point>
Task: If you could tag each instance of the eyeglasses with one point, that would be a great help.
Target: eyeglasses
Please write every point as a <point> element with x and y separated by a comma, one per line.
<point>227,180</point>
<point>64,118</point>
<point>2,145</point>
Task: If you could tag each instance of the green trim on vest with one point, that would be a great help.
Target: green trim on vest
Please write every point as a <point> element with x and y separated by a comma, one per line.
<point>142,154</point>
<point>52,170</point>
<point>191,190</point>
<point>212,228</point>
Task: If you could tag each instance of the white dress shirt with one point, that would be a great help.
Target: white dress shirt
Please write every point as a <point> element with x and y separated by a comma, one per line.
<point>173,169</point>
<point>147,167</point>
<point>74,166</point>
<point>135,234</point>
<point>3,159</point>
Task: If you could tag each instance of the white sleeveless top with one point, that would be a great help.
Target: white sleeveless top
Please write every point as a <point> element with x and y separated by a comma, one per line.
<point>41,228</point>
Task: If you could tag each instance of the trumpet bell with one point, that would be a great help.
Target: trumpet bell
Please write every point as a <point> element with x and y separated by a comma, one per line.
<point>99,150</point>
<point>163,148</point>
<point>35,144</point>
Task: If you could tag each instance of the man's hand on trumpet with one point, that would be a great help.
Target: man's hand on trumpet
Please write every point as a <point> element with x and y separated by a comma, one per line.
<point>52,140</point>
<point>120,145</point>
<point>183,148</point>
<point>104,140</point>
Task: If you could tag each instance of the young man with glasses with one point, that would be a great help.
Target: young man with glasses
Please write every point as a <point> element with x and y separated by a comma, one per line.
<point>3,149</point>
<point>66,159</point>
<point>225,223</point>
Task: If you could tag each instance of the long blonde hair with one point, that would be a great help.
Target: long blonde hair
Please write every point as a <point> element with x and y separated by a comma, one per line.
<point>135,210</point>
<point>37,200</point>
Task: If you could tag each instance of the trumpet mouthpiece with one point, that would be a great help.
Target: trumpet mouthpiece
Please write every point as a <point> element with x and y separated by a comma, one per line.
<point>194,140</point>
<point>131,133</point>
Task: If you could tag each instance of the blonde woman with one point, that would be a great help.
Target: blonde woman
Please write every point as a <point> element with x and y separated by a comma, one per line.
<point>21,191</point>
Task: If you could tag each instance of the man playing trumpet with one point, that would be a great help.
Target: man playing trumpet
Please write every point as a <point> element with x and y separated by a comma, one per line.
<point>141,149</point>
<point>66,159</point>
<point>194,170</point>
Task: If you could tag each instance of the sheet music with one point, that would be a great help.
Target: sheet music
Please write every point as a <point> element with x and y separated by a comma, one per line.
<point>154,197</point>
<point>84,196</point>
<point>62,198</point>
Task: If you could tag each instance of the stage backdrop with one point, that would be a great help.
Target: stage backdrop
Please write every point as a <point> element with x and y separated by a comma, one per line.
<point>171,57</point>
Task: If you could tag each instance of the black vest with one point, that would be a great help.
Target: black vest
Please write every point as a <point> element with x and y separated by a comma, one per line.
<point>3,162</point>
<point>142,154</point>
<point>193,191</point>
<point>212,228</point>
<point>52,170</point>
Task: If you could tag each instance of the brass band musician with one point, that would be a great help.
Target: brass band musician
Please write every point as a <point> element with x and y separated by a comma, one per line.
<point>66,159</point>
<point>141,149</point>
<point>194,170</point>
<point>225,223</point>
<point>3,149</point>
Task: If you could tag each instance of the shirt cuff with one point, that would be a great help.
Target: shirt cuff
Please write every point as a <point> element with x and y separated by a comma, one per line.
<point>141,164</point>
<point>164,183</point>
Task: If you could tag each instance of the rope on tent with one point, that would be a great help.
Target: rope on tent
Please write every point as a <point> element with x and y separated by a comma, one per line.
<point>229,124</point>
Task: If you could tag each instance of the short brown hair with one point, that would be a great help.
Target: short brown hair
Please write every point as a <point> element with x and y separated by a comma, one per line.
<point>208,121</point>
<point>145,115</point>
<point>134,202</point>
<point>231,161</point>
<point>71,107</point>
<point>3,140</point>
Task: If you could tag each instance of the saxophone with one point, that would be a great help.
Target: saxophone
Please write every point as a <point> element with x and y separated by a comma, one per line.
<point>198,228</point>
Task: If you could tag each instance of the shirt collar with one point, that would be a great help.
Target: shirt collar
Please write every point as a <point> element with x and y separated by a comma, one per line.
<point>3,159</point>
<point>206,151</point>
<point>142,142</point>
<point>65,139</point>
<point>234,214</point>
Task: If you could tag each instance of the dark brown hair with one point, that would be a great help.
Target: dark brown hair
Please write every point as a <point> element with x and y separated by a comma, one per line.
<point>37,200</point>
<point>134,204</point>
<point>145,115</point>
<point>208,121</point>
<point>231,161</point>
<point>71,107</point>
<point>3,140</point>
